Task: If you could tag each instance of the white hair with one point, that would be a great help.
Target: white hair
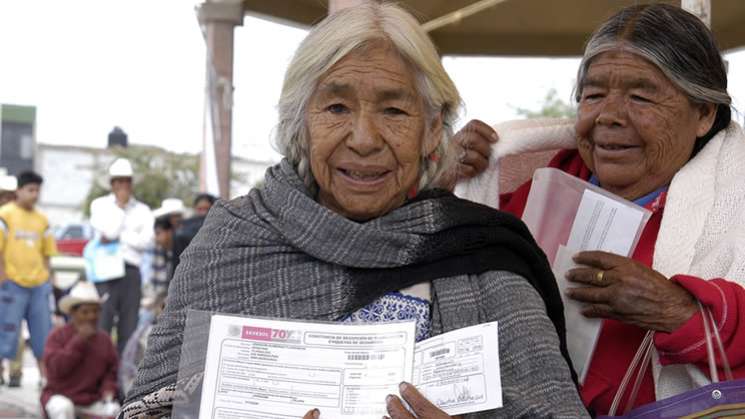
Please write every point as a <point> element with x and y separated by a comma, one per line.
<point>342,33</point>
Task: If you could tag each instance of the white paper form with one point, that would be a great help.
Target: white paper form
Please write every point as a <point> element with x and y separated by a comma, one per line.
<point>258,368</point>
<point>604,224</point>
<point>459,371</point>
<point>581,332</point>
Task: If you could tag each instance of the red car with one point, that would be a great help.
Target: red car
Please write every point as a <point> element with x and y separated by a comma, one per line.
<point>72,238</point>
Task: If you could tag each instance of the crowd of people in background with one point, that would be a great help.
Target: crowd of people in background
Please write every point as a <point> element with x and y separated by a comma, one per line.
<point>88,356</point>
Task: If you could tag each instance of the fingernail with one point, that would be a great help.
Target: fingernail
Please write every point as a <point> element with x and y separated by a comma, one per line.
<point>389,398</point>
<point>316,413</point>
<point>494,136</point>
<point>403,386</point>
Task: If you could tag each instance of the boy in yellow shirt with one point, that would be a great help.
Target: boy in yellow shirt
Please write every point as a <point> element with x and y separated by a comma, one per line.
<point>26,243</point>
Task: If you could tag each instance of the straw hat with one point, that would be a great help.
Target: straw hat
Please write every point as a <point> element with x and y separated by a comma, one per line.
<point>81,293</point>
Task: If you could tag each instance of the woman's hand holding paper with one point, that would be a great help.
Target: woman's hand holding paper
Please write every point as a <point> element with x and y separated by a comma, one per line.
<point>616,287</point>
<point>422,407</point>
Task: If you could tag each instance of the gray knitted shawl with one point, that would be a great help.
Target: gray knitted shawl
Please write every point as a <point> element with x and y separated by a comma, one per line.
<point>278,253</point>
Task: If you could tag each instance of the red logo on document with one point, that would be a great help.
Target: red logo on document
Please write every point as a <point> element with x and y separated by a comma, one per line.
<point>256,333</point>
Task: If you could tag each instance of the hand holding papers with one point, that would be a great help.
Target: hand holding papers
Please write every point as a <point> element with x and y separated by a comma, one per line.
<point>567,215</point>
<point>260,368</point>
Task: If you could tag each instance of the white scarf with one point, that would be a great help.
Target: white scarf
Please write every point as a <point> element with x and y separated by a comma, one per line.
<point>703,225</point>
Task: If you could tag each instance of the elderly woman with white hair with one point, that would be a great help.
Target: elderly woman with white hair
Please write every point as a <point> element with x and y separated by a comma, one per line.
<point>653,126</point>
<point>348,227</point>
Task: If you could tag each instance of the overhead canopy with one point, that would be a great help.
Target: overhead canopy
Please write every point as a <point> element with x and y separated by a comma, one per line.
<point>513,27</point>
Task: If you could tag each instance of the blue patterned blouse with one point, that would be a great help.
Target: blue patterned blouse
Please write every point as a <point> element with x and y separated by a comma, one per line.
<point>395,306</point>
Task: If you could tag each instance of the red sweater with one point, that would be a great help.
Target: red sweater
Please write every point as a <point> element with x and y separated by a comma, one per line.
<point>79,369</point>
<point>619,342</point>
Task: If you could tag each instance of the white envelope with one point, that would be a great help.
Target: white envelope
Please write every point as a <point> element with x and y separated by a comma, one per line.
<point>581,333</point>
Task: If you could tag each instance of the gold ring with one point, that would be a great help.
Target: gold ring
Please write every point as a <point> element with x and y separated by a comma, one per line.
<point>599,276</point>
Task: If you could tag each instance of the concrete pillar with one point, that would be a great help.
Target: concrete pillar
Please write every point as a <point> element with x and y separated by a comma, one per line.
<point>700,8</point>
<point>335,5</point>
<point>218,19</point>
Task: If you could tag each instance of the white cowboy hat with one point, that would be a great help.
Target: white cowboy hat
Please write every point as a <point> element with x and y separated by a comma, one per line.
<point>120,168</point>
<point>81,293</point>
<point>170,206</point>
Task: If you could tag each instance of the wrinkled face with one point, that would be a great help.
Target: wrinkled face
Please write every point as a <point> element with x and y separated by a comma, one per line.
<point>28,195</point>
<point>635,128</point>
<point>122,188</point>
<point>202,207</point>
<point>85,313</point>
<point>368,133</point>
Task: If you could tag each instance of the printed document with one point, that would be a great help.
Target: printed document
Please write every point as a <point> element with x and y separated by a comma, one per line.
<point>260,368</point>
<point>604,224</point>
<point>459,371</point>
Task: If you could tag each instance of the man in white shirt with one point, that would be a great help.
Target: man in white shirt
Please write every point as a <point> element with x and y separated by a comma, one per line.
<point>119,217</point>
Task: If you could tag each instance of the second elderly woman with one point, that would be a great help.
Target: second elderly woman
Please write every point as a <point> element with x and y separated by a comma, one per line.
<point>653,126</point>
<point>349,228</point>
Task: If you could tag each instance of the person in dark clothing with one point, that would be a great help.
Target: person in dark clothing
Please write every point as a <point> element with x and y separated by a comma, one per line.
<point>183,236</point>
<point>163,255</point>
<point>189,228</point>
<point>202,204</point>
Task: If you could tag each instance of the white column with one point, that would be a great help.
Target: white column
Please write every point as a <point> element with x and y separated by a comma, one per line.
<point>218,20</point>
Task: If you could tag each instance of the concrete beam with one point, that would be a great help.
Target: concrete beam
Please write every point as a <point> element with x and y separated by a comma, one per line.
<point>221,12</point>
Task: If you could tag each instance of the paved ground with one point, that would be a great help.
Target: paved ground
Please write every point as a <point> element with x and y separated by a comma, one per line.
<point>22,402</point>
